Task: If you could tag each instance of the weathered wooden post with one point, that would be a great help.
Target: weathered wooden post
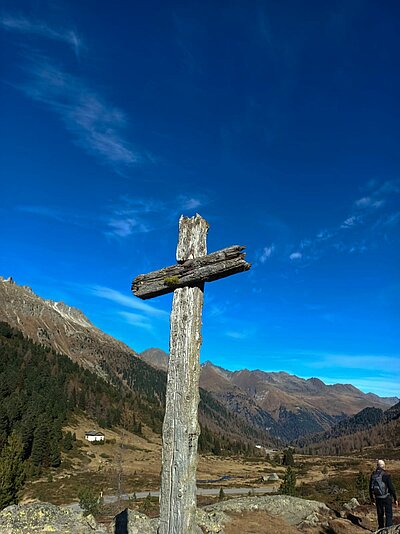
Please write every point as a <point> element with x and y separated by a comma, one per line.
<point>181,427</point>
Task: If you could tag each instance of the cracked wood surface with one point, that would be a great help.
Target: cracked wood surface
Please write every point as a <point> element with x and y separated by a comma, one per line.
<point>181,428</point>
<point>191,272</point>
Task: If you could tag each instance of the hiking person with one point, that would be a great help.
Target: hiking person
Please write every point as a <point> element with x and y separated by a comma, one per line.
<point>381,492</point>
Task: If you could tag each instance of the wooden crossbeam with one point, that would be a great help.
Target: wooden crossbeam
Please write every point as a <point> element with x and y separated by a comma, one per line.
<point>191,273</point>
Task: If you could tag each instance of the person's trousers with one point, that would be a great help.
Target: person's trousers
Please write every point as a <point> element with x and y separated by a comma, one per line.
<point>384,511</point>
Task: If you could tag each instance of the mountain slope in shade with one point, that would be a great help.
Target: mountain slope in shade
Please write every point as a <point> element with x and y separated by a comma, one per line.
<point>369,428</point>
<point>63,328</point>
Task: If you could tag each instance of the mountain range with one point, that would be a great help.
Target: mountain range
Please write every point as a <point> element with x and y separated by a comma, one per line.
<point>249,405</point>
<point>282,405</point>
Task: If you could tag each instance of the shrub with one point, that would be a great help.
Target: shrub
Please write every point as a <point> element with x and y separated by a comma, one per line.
<point>89,500</point>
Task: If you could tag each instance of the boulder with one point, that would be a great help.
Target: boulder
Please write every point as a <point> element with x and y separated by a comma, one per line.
<point>291,509</point>
<point>212,522</point>
<point>41,517</point>
<point>352,504</point>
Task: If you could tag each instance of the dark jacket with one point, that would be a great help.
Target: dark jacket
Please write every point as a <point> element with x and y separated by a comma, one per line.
<point>387,480</point>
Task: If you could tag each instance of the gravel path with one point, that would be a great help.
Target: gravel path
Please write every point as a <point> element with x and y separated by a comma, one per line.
<point>108,499</point>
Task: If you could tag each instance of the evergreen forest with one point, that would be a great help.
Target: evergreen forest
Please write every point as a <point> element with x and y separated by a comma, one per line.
<point>40,390</point>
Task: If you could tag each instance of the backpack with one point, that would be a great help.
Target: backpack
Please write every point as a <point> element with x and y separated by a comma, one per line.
<point>378,486</point>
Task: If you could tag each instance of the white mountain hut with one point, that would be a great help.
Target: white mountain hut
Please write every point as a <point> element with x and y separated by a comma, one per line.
<point>92,435</point>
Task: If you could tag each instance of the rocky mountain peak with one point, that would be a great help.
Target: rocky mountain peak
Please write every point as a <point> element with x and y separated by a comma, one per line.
<point>23,297</point>
<point>59,326</point>
<point>156,358</point>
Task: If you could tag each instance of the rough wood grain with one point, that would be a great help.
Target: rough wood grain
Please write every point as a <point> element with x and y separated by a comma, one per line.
<point>181,428</point>
<point>191,272</point>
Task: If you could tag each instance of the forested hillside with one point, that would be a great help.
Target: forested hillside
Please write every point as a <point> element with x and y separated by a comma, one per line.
<point>39,389</point>
<point>368,428</point>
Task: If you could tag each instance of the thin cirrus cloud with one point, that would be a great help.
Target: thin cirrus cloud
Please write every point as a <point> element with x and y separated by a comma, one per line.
<point>351,361</point>
<point>236,334</point>
<point>124,227</point>
<point>30,27</point>
<point>95,125</point>
<point>267,253</point>
<point>129,302</point>
<point>382,385</point>
<point>44,211</point>
<point>190,203</point>
<point>370,216</point>
<point>350,222</point>
<point>135,319</point>
<point>132,216</point>
<point>120,220</point>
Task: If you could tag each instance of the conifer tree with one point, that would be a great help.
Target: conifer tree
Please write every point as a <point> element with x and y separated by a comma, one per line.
<point>288,486</point>
<point>12,471</point>
<point>40,448</point>
<point>68,441</point>
<point>288,457</point>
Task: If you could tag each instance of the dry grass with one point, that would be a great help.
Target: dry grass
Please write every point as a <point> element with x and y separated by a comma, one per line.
<point>139,459</point>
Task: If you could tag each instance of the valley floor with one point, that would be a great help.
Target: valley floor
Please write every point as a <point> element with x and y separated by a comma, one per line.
<point>128,463</point>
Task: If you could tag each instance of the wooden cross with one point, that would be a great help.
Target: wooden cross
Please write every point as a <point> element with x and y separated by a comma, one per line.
<point>181,428</point>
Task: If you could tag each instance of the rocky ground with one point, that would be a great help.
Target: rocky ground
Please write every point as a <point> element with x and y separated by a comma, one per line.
<point>247,515</point>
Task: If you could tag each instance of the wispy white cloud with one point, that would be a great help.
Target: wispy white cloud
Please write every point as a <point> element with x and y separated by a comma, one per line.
<point>371,217</point>
<point>126,301</point>
<point>133,215</point>
<point>365,203</point>
<point>95,125</point>
<point>369,372</point>
<point>141,215</point>
<point>392,219</point>
<point>120,220</point>
<point>236,334</point>
<point>190,203</point>
<point>385,386</point>
<point>24,25</point>
<point>125,227</point>
<point>267,253</point>
<point>44,211</point>
<point>352,361</point>
<point>350,222</point>
<point>136,319</point>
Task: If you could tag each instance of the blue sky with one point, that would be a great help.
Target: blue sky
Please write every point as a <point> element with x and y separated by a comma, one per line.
<point>276,121</point>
